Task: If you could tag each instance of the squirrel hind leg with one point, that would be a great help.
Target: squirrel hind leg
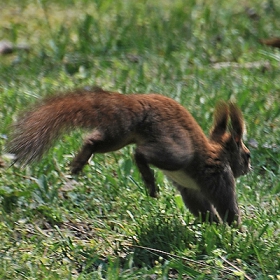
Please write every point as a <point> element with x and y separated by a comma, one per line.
<point>81,159</point>
<point>88,149</point>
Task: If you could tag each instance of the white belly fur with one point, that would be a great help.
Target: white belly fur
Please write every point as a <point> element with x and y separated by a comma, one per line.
<point>181,178</point>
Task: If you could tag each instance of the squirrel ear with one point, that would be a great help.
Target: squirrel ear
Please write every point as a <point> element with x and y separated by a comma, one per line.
<point>237,123</point>
<point>221,116</point>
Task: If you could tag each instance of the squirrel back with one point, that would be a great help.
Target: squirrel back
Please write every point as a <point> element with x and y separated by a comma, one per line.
<point>123,118</point>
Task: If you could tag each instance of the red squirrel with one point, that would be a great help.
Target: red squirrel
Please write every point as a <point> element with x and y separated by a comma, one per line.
<point>165,134</point>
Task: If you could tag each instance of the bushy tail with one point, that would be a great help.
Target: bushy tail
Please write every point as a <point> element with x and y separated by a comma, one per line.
<point>34,132</point>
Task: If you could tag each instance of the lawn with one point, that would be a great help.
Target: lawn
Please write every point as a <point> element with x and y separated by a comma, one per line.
<point>102,224</point>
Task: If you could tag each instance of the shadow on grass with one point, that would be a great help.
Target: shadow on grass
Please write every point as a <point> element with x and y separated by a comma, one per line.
<point>159,238</point>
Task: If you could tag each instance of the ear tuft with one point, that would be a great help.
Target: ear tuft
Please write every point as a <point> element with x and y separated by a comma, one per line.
<point>237,123</point>
<point>221,117</point>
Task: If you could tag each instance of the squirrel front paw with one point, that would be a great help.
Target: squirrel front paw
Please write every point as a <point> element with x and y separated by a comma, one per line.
<point>76,167</point>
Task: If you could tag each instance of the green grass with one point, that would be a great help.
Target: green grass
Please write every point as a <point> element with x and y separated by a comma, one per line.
<point>102,224</point>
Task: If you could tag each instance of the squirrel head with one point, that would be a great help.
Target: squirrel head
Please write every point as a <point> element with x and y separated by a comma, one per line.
<point>227,132</point>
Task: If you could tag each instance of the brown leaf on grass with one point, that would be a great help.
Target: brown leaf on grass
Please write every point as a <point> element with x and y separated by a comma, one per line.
<point>252,13</point>
<point>264,65</point>
<point>272,42</point>
<point>2,164</point>
<point>7,47</point>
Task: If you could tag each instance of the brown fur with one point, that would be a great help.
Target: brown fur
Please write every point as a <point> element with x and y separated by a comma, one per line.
<point>166,136</point>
